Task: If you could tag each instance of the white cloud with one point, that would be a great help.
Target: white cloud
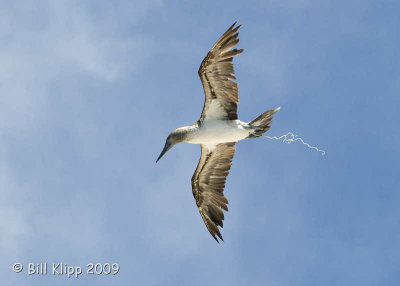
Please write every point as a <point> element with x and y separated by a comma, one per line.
<point>13,223</point>
<point>41,44</point>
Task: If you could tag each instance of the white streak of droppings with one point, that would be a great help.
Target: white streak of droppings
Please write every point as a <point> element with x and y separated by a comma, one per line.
<point>290,137</point>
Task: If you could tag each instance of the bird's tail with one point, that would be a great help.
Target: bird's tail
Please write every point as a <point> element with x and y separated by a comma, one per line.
<point>262,123</point>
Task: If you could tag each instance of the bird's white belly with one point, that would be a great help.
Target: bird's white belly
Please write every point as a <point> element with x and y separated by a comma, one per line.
<point>219,131</point>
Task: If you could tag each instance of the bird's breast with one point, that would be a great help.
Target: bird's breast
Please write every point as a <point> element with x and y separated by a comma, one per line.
<point>218,131</point>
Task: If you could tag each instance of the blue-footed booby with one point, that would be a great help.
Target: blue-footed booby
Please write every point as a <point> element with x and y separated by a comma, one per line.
<point>217,130</point>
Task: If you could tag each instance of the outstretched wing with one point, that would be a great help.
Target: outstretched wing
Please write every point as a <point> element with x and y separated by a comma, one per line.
<point>208,183</point>
<point>217,76</point>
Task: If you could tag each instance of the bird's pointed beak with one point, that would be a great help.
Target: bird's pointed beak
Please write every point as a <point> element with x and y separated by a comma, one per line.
<point>166,148</point>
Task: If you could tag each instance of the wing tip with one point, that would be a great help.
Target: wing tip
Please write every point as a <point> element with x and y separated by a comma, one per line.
<point>219,236</point>
<point>233,29</point>
<point>233,25</point>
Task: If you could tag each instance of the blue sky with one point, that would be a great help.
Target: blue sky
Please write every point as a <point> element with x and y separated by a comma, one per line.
<point>90,90</point>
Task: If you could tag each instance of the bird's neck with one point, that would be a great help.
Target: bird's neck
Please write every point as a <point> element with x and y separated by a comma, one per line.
<point>187,132</point>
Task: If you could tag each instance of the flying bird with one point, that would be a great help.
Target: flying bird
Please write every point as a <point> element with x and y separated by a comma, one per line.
<point>217,130</point>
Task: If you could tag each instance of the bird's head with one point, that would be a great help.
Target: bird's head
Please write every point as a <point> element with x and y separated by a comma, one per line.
<point>175,137</point>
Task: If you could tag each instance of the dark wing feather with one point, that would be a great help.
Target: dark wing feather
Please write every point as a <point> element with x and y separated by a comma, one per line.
<point>217,76</point>
<point>208,183</point>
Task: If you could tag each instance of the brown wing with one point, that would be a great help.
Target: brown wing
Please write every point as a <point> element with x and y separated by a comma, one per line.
<point>208,183</point>
<point>217,76</point>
